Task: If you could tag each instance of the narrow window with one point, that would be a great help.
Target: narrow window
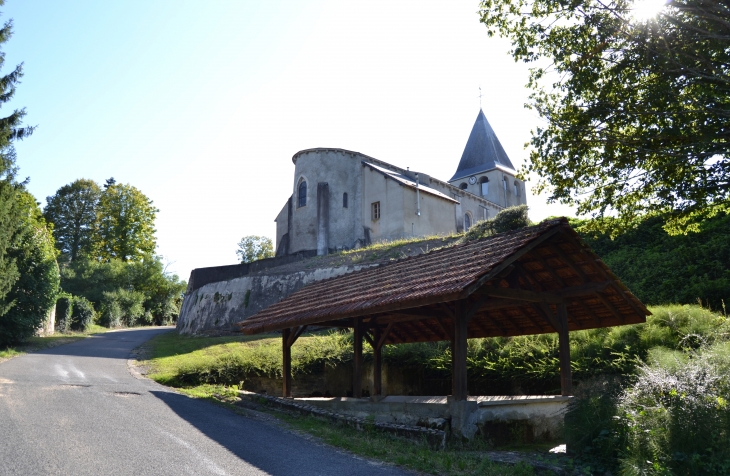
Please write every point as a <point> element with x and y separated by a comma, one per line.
<point>517,189</point>
<point>463,186</point>
<point>485,186</point>
<point>375,208</point>
<point>505,185</point>
<point>467,222</point>
<point>302,202</point>
<point>344,200</point>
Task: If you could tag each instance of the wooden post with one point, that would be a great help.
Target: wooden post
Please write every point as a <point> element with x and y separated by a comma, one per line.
<point>566,378</point>
<point>377,363</point>
<point>357,361</point>
<point>459,391</point>
<point>286,360</point>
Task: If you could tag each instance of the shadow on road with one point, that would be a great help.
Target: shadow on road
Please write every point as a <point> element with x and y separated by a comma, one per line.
<point>266,447</point>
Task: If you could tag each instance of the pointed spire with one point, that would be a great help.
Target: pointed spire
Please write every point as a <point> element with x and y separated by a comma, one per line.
<point>483,151</point>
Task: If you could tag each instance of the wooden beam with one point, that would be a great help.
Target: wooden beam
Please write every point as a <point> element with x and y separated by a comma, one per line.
<point>286,362</point>
<point>615,282</point>
<point>508,261</point>
<point>495,324</point>
<point>384,336</point>
<point>449,332</point>
<point>569,262</point>
<point>529,318</point>
<point>582,290</point>
<point>589,311</point>
<point>547,313</point>
<point>506,318</point>
<point>611,307</point>
<point>370,340</point>
<point>534,286</point>
<point>295,334</point>
<point>378,361</point>
<point>398,335</point>
<point>414,330</point>
<point>459,390</point>
<point>521,295</point>
<point>548,269</point>
<point>438,333</point>
<point>357,361</point>
<point>566,378</point>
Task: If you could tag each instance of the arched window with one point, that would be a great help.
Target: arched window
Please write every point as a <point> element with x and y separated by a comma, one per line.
<point>517,188</point>
<point>463,186</point>
<point>344,200</point>
<point>505,184</point>
<point>467,222</point>
<point>302,202</point>
<point>484,181</point>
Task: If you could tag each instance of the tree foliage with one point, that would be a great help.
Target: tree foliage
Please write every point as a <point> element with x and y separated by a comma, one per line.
<point>72,210</point>
<point>253,248</point>
<point>659,268</point>
<point>125,224</point>
<point>11,211</point>
<point>636,112</point>
<point>34,293</point>
<point>158,293</point>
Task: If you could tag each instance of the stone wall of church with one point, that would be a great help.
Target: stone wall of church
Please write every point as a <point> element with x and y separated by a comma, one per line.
<point>341,171</point>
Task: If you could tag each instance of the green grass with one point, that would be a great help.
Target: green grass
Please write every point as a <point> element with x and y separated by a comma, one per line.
<point>36,343</point>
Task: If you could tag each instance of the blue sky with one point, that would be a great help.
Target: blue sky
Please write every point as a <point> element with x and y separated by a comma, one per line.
<point>201,105</point>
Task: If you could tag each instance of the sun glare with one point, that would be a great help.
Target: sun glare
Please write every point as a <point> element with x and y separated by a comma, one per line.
<point>644,10</point>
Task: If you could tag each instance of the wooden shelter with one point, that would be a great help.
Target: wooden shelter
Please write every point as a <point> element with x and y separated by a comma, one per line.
<point>534,280</point>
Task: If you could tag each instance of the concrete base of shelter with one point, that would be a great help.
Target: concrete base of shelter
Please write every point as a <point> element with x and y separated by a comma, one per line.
<point>498,419</point>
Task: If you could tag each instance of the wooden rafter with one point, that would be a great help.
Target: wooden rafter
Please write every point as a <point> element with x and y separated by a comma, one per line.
<point>611,307</point>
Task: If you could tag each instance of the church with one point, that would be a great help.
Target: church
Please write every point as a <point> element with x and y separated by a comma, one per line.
<point>345,200</point>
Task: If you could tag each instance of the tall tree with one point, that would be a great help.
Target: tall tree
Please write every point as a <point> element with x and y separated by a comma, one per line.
<point>637,111</point>
<point>253,248</point>
<point>125,224</point>
<point>11,219</point>
<point>72,210</point>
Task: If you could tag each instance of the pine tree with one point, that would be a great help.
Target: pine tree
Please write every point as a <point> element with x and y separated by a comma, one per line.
<point>11,211</point>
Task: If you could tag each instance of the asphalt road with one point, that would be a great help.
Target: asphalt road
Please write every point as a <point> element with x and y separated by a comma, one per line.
<point>76,410</point>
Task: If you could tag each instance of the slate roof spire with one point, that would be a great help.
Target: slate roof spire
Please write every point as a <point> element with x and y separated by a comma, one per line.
<point>483,151</point>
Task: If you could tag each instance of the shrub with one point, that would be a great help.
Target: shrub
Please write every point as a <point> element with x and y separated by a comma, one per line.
<point>677,417</point>
<point>64,310</point>
<point>508,219</point>
<point>122,307</point>
<point>83,314</point>
<point>111,314</point>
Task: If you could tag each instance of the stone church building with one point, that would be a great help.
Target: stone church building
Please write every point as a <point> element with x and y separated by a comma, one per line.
<point>343,199</point>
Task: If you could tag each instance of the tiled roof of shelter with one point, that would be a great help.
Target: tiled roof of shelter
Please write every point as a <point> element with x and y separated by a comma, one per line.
<point>483,151</point>
<point>512,281</point>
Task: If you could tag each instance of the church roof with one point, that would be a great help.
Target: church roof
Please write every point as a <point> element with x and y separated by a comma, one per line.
<point>408,182</point>
<point>482,152</point>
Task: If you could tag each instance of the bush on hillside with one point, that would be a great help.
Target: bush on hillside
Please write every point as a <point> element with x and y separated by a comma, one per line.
<point>511,218</point>
<point>82,315</point>
<point>676,417</point>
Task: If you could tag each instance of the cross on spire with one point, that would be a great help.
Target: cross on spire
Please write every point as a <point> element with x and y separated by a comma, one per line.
<point>480,97</point>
